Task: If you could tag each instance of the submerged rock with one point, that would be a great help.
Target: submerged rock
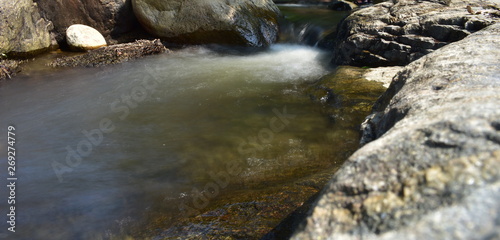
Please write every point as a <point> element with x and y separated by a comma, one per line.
<point>401,31</point>
<point>246,215</point>
<point>112,54</point>
<point>346,90</point>
<point>22,30</point>
<point>81,37</point>
<point>252,22</point>
<point>433,171</point>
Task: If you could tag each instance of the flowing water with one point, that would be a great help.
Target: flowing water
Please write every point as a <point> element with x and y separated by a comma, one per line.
<point>106,151</point>
<point>307,24</point>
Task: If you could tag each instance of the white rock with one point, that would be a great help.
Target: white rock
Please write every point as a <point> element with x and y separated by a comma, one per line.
<point>82,37</point>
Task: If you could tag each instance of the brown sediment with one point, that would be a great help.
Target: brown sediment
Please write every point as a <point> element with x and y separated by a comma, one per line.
<point>8,68</point>
<point>112,54</point>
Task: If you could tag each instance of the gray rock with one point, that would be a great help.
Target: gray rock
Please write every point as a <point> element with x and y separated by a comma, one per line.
<point>433,171</point>
<point>416,41</point>
<point>252,22</point>
<point>422,25</point>
<point>447,32</point>
<point>23,31</point>
<point>393,29</point>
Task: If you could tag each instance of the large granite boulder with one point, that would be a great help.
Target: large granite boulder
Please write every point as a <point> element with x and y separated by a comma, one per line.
<point>401,31</point>
<point>112,18</point>
<point>22,30</point>
<point>251,22</point>
<point>433,171</point>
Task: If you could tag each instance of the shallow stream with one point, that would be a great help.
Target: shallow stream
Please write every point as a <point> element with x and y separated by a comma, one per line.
<point>136,148</point>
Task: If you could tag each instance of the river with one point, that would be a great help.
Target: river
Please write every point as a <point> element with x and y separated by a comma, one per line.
<point>103,153</point>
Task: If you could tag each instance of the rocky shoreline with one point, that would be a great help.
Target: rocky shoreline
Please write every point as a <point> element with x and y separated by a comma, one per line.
<point>395,33</point>
<point>430,166</point>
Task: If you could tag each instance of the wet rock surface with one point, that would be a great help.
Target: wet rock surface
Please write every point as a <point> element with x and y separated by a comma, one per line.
<point>433,171</point>
<point>247,215</point>
<point>399,32</point>
<point>251,23</point>
<point>22,30</point>
<point>112,54</point>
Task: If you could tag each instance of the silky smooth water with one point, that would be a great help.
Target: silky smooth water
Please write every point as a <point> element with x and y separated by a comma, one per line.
<point>99,151</point>
<point>103,153</point>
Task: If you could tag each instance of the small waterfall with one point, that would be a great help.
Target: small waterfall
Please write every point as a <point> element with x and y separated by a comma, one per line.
<point>307,33</point>
<point>305,24</point>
